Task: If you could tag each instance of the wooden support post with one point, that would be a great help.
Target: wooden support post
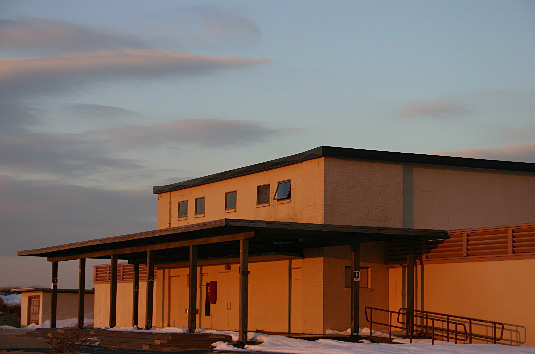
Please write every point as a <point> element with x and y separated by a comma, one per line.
<point>135,302</point>
<point>244,291</point>
<point>81,292</point>
<point>410,284</point>
<point>192,309</point>
<point>54,300</point>
<point>150,289</point>
<point>113,291</point>
<point>355,288</point>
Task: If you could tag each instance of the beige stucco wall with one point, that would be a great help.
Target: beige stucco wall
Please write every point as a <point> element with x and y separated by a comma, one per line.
<point>67,307</point>
<point>500,291</point>
<point>125,300</point>
<point>363,193</point>
<point>455,198</point>
<point>306,204</point>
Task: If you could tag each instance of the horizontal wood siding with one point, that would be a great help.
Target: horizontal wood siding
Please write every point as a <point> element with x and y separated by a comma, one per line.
<point>513,241</point>
<point>125,273</point>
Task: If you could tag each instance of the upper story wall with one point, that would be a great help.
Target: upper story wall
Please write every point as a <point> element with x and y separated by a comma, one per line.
<point>458,198</point>
<point>425,196</point>
<point>305,204</point>
<point>363,193</point>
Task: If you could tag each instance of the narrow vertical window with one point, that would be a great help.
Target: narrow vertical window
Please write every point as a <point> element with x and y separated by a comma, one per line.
<point>231,200</point>
<point>199,206</point>
<point>183,209</point>
<point>262,194</point>
<point>284,190</point>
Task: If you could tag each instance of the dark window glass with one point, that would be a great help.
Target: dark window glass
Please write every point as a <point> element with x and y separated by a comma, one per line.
<point>230,200</point>
<point>183,209</point>
<point>199,205</point>
<point>262,194</point>
<point>284,190</point>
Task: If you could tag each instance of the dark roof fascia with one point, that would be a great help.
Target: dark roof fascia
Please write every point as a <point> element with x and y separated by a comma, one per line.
<point>217,227</point>
<point>355,154</point>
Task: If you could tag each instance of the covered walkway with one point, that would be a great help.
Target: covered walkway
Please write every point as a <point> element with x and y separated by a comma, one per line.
<point>219,240</point>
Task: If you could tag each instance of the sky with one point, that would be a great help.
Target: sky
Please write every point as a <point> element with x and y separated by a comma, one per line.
<point>101,100</point>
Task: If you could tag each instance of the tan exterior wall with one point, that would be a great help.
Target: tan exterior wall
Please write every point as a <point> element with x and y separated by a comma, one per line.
<point>493,290</point>
<point>67,306</point>
<point>451,198</point>
<point>363,193</point>
<point>306,204</point>
<point>125,298</point>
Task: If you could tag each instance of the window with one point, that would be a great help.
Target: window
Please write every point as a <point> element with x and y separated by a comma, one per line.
<point>284,190</point>
<point>230,200</point>
<point>183,209</point>
<point>199,206</point>
<point>262,194</point>
<point>364,277</point>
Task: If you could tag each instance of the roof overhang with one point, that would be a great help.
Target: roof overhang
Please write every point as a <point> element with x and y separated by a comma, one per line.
<point>266,237</point>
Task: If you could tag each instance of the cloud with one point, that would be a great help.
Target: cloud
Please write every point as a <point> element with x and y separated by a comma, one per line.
<point>56,155</point>
<point>208,25</point>
<point>39,214</point>
<point>518,152</point>
<point>202,132</point>
<point>48,75</point>
<point>57,36</point>
<point>436,109</point>
<point>99,112</point>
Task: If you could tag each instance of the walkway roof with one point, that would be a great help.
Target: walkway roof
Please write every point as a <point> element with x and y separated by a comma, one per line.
<point>266,237</point>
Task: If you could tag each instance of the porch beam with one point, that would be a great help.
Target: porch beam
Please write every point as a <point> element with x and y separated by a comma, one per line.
<point>244,292</point>
<point>54,300</point>
<point>161,246</point>
<point>150,290</point>
<point>192,308</point>
<point>135,302</point>
<point>355,288</point>
<point>81,292</point>
<point>113,292</point>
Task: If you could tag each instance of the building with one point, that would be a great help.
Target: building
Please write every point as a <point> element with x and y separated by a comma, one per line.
<point>304,224</point>
<point>36,305</point>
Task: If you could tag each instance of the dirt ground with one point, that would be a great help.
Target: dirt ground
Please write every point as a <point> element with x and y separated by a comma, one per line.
<point>13,341</point>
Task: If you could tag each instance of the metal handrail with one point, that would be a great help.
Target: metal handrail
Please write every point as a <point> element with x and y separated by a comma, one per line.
<point>471,321</point>
<point>435,330</point>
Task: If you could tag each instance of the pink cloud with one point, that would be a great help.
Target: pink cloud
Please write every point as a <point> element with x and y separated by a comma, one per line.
<point>437,108</point>
<point>518,152</point>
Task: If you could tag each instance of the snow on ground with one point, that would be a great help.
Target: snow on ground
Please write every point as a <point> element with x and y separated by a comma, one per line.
<point>12,299</point>
<point>71,322</point>
<point>281,344</point>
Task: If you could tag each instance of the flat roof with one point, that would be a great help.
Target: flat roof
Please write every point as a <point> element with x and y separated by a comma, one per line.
<point>356,154</point>
<point>48,290</point>
<point>270,236</point>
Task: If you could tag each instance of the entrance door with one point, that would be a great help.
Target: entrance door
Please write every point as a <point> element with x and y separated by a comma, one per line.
<point>34,304</point>
<point>178,301</point>
<point>225,314</point>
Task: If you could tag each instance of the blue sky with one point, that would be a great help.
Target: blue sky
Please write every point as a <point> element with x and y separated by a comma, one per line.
<point>101,100</point>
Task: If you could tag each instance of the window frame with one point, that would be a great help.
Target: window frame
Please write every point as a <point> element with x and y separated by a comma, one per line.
<point>348,277</point>
<point>268,194</point>
<point>196,206</point>
<point>289,195</point>
<point>227,208</point>
<point>187,209</point>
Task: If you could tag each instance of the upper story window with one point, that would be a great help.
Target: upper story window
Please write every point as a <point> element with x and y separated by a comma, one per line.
<point>230,200</point>
<point>262,194</point>
<point>183,209</point>
<point>284,190</point>
<point>199,205</point>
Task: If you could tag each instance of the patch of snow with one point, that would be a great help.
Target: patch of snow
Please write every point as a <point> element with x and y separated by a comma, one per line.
<point>12,299</point>
<point>71,322</point>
